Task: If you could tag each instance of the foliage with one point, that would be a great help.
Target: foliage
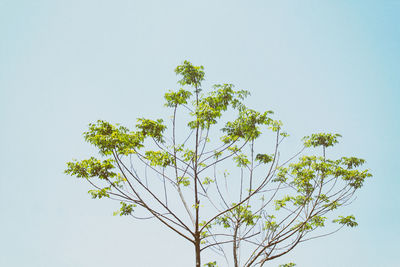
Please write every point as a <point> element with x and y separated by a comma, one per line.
<point>262,205</point>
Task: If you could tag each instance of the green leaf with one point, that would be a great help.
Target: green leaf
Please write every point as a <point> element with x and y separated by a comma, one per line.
<point>177,98</point>
<point>348,221</point>
<point>126,209</point>
<point>264,158</point>
<point>246,125</point>
<point>280,203</point>
<point>100,193</point>
<point>91,168</point>
<point>150,128</point>
<point>241,160</point>
<point>207,181</point>
<point>184,181</point>
<point>109,138</point>
<point>191,75</point>
<point>321,139</point>
<point>159,158</point>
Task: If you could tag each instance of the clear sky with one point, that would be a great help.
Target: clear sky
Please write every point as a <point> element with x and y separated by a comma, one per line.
<point>320,65</point>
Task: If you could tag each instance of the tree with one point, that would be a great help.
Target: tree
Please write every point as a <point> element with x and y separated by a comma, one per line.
<point>260,209</point>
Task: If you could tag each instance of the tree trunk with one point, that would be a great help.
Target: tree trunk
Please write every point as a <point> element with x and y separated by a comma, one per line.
<point>196,197</point>
<point>235,248</point>
<point>197,250</point>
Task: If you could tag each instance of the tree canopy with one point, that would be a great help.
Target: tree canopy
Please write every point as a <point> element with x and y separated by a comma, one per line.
<point>208,175</point>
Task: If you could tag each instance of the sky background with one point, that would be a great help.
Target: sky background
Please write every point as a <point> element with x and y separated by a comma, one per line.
<point>320,65</point>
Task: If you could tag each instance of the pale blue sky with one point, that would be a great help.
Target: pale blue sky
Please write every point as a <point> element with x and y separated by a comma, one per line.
<point>320,65</point>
